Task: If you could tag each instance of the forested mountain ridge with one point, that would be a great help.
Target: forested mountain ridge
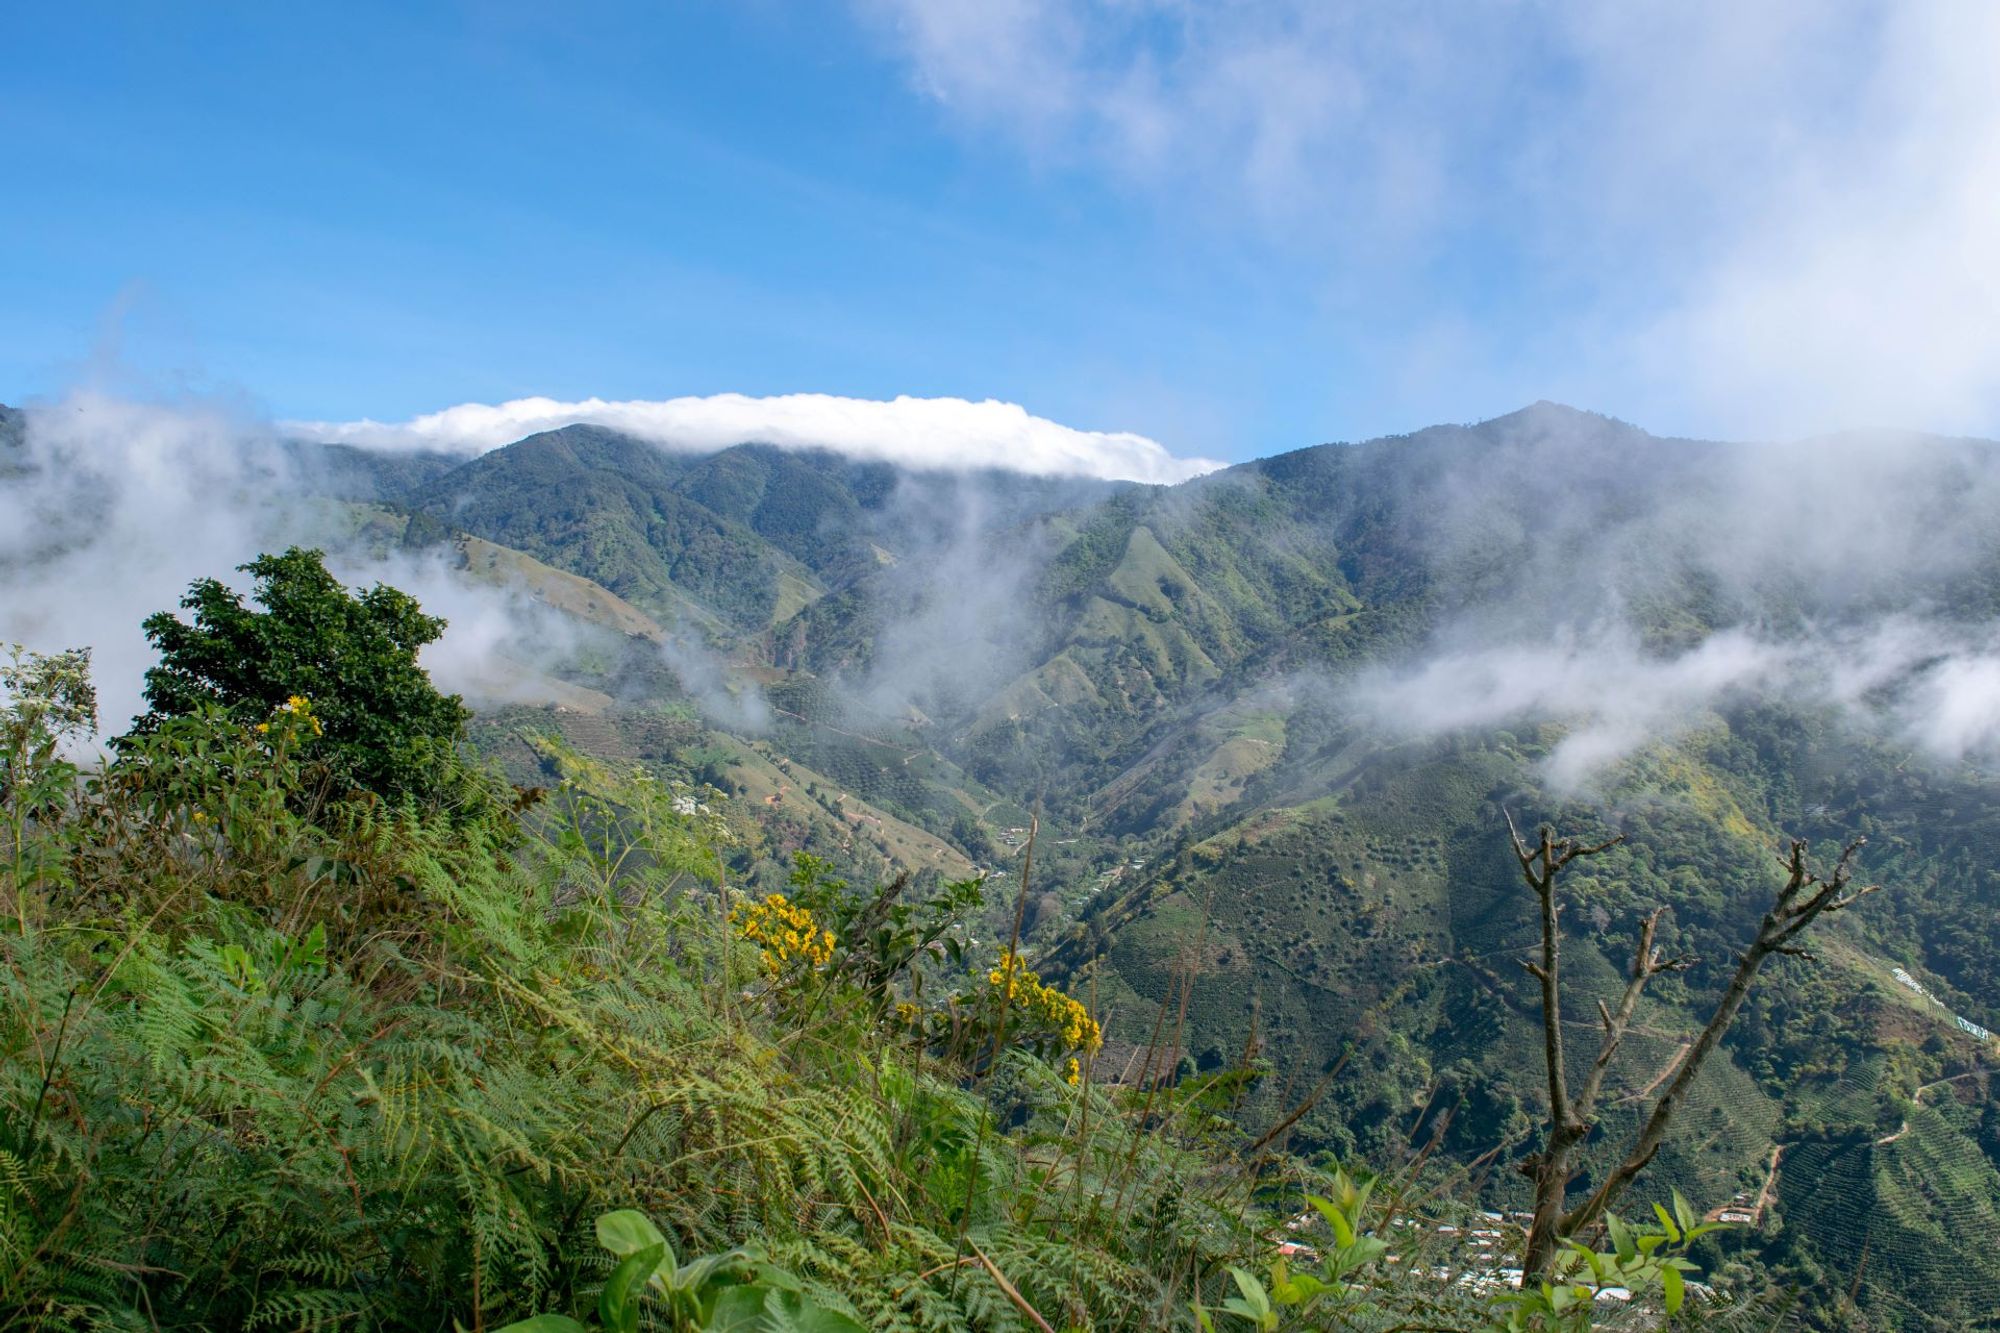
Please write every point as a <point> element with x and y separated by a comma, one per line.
<point>1270,719</point>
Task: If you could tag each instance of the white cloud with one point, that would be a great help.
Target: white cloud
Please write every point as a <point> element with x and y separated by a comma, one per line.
<point>1749,219</point>
<point>1936,686</point>
<point>1616,696</point>
<point>119,505</point>
<point>930,433</point>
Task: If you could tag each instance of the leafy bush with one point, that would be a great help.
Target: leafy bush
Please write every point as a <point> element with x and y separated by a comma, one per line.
<point>383,726</point>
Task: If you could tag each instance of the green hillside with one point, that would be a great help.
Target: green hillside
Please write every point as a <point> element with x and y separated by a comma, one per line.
<point>1172,680</point>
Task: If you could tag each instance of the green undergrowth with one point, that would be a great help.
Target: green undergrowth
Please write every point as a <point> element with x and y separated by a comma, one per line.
<point>272,1056</point>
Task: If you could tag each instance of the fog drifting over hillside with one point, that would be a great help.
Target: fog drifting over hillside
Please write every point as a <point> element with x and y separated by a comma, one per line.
<point>112,507</point>
<point>1625,585</point>
<point>945,434</point>
<point>1645,583</point>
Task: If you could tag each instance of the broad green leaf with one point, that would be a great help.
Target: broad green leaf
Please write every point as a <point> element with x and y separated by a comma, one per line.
<point>1253,1291</point>
<point>793,1312</point>
<point>628,1231</point>
<point>1336,1217</point>
<point>760,1309</point>
<point>1307,1286</point>
<point>1684,1213</point>
<point>738,1310</point>
<point>618,1303</point>
<point>1667,1221</point>
<point>1676,1289</point>
<point>545,1323</point>
<point>697,1275</point>
<point>1621,1237</point>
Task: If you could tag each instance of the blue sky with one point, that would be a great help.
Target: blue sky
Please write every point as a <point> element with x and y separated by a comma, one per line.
<point>1233,228</point>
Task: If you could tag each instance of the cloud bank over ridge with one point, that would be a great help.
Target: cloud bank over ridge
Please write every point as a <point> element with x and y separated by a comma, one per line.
<point>944,434</point>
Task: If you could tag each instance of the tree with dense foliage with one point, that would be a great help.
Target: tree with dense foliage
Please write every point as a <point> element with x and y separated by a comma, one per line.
<point>381,725</point>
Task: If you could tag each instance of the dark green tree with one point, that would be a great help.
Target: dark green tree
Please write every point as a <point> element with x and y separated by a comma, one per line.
<point>384,727</point>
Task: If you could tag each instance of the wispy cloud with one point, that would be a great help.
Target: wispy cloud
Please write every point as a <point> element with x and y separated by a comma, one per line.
<point>1765,219</point>
<point>951,434</point>
<point>113,506</point>
<point>1933,686</point>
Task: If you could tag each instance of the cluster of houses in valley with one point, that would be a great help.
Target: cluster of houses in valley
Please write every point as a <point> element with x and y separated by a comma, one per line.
<point>1479,1254</point>
<point>1965,1025</point>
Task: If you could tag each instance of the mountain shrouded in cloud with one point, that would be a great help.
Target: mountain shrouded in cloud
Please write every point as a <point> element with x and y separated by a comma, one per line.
<point>925,434</point>
<point>1280,708</point>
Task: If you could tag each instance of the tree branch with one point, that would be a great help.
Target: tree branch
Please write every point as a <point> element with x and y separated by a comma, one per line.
<point>1774,934</point>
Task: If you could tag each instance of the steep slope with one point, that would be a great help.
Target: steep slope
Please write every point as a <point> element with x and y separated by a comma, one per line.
<point>606,507</point>
<point>1235,828</point>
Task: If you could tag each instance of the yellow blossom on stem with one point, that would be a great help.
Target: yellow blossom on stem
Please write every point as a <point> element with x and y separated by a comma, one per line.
<point>1044,1005</point>
<point>786,932</point>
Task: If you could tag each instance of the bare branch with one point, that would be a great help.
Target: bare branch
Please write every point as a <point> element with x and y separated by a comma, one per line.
<point>1786,919</point>
<point>1572,850</point>
<point>1521,852</point>
<point>1644,956</point>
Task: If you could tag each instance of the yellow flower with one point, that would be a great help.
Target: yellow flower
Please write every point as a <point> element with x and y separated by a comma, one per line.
<point>1073,1072</point>
<point>787,934</point>
<point>1057,1011</point>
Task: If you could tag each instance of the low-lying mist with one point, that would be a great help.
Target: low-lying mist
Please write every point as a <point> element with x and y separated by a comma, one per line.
<point>109,508</point>
<point>1631,586</point>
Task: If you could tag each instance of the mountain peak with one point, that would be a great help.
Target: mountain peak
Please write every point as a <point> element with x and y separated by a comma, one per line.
<point>1545,414</point>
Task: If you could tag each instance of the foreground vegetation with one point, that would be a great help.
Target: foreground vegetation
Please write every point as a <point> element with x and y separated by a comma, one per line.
<point>284,1054</point>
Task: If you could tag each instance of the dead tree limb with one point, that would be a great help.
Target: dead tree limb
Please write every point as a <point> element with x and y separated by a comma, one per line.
<point>1804,898</point>
<point>1568,1118</point>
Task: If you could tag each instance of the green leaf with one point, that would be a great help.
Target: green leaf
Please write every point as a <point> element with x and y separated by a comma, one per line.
<point>628,1231</point>
<point>1366,1250</point>
<point>1343,1230</point>
<point>760,1309</point>
<point>1684,1213</point>
<point>1667,1221</point>
<point>1676,1289</point>
<point>1621,1237</point>
<point>545,1323</point>
<point>1253,1291</point>
<point>618,1304</point>
<point>738,1310</point>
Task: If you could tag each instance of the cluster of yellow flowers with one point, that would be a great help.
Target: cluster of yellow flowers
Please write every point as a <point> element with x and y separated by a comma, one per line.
<point>786,932</point>
<point>1070,1021</point>
<point>300,708</point>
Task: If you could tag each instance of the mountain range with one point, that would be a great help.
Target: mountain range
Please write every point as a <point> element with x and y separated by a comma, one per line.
<point>1266,725</point>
